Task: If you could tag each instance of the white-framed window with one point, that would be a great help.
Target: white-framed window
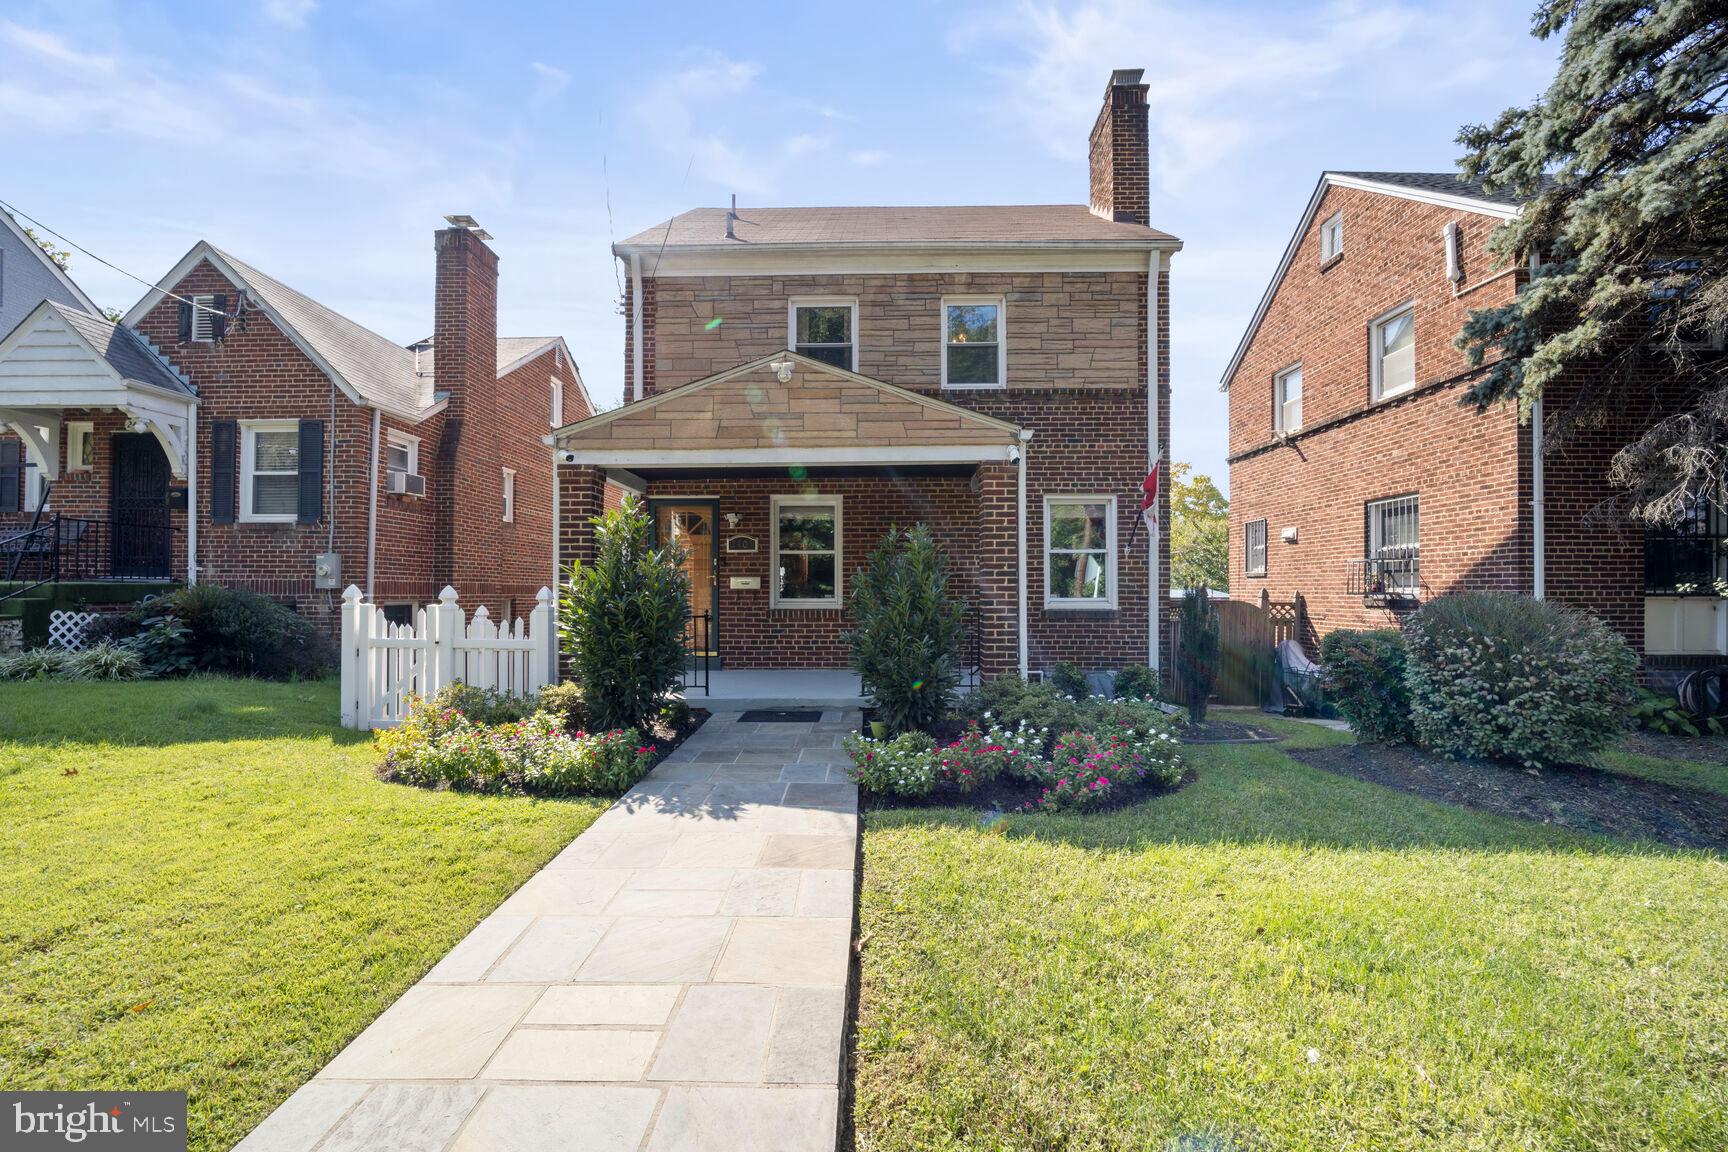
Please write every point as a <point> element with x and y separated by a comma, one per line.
<point>1394,541</point>
<point>1287,400</point>
<point>401,453</point>
<point>557,402</point>
<point>806,546</point>
<point>974,342</point>
<point>80,445</point>
<point>203,319</point>
<point>1392,351</point>
<point>1332,237</point>
<point>509,495</point>
<point>1080,551</point>
<point>824,328</point>
<point>1254,547</point>
<point>269,471</point>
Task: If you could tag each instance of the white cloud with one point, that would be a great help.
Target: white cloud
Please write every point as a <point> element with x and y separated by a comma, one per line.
<point>869,157</point>
<point>289,13</point>
<point>548,83</point>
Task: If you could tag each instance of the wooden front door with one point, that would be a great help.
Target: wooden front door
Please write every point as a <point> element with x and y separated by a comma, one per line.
<point>138,530</point>
<point>692,525</point>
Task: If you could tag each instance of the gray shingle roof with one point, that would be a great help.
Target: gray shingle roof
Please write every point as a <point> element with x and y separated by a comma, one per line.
<point>1447,183</point>
<point>125,350</point>
<point>1013,224</point>
<point>377,368</point>
<point>510,350</point>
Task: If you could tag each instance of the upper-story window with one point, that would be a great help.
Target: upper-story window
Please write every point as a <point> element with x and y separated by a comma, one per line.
<point>203,319</point>
<point>972,342</point>
<point>1287,400</point>
<point>1392,351</point>
<point>826,329</point>
<point>509,515</point>
<point>557,403</point>
<point>1332,237</point>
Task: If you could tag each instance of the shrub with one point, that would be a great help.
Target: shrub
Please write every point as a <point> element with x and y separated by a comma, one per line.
<point>106,661</point>
<point>564,700</point>
<point>1137,682</point>
<point>1653,713</point>
<point>1069,680</point>
<point>676,716</point>
<point>906,634</point>
<point>622,621</point>
<point>209,628</point>
<point>1510,677</point>
<point>1363,674</point>
<point>35,664</point>
<point>485,706</point>
<point>439,747</point>
<point>1197,652</point>
<point>903,766</point>
<point>979,756</point>
<point>1013,703</point>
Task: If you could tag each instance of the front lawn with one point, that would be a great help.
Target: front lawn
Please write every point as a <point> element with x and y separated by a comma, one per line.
<point>1276,957</point>
<point>206,888</point>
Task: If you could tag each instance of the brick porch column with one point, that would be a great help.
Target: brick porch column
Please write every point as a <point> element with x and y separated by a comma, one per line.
<point>581,498</point>
<point>996,580</point>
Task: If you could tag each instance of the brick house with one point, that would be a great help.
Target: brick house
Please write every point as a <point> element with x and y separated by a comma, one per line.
<point>232,430</point>
<point>801,379</point>
<point>1359,483</point>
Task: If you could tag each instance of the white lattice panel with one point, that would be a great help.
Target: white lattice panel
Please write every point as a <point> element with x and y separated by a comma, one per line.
<point>68,629</point>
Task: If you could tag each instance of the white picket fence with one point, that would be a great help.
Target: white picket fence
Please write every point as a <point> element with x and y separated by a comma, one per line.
<point>385,665</point>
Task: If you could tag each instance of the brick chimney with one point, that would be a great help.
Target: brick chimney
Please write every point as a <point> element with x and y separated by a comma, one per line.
<point>1121,165</point>
<point>465,368</point>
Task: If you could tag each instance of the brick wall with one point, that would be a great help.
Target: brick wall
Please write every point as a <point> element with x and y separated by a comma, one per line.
<point>1120,159</point>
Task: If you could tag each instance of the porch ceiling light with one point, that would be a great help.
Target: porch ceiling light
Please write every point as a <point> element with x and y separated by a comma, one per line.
<point>782,369</point>
<point>137,424</point>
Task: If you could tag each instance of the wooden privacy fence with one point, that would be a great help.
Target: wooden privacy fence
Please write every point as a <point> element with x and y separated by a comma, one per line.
<point>1248,635</point>
<point>385,665</point>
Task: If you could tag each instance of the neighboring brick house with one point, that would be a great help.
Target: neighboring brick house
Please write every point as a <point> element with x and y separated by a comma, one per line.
<point>1359,483</point>
<point>231,430</point>
<point>800,379</point>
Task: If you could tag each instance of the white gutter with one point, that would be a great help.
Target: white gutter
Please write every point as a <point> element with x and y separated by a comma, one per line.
<point>1154,605</point>
<point>636,324</point>
<point>191,493</point>
<point>372,510</point>
<point>1538,509</point>
<point>1025,447</point>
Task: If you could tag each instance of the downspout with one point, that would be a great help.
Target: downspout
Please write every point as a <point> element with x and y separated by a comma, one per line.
<point>1154,266</point>
<point>330,490</point>
<point>1025,447</point>
<point>372,510</point>
<point>556,571</point>
<point>191,494</point>
<point>1538,511</point>
<point>636,323</point>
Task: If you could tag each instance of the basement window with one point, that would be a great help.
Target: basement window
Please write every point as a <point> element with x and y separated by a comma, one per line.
<point>825,329</point>
<point>1080,551</point>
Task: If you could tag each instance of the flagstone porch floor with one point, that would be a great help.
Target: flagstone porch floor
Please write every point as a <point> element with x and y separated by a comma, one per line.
<point>675,979</point>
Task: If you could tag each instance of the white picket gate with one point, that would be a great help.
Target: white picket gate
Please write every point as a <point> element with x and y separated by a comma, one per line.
<point>384,665</point>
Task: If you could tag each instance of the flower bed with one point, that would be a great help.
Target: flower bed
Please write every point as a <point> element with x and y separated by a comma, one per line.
<point>1106,753</point>
<point>483,742</point>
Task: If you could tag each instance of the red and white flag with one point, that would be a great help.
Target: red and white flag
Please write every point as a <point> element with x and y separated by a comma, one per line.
<point>1149,501</point>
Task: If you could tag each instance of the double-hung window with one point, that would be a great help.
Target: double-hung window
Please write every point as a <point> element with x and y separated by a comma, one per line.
<point>1395,544</point>
<point>1393,351</point>
<point>1080,551</point>
<point>825,329</point>
<point>1287,400</point>
<point>402,454</point>
<point>806,547</point>
<point>1254,547</point>
<point>1332,238</point>
<point>270,471</point>
<point>973,343</point>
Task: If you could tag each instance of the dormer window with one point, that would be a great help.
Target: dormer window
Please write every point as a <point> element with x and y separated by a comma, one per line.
<point>1332,238</point>
<point>825,329</point>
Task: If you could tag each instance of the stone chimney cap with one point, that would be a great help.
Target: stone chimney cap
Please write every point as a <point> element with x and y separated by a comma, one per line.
<point>459,220</point>
<point>1126,77</point>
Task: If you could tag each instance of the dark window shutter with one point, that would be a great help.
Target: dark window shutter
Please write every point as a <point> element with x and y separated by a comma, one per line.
<point>219,322</point>
<point>311,472</point>
<point>224,470</point>
<point>11,475</point>
<point>185,321</point>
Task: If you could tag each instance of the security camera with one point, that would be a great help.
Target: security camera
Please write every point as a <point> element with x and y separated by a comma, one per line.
<point>566,457</point>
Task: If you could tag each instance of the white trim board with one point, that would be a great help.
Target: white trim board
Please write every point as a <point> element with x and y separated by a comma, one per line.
<point>1337,180</point>
<point>759,260</point>
<point>722,458</point>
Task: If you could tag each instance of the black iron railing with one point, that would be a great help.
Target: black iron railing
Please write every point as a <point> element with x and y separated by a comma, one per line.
<point>1393,577</point>
<point>972,647</point>
<point>1685,564</point>
<point>699,643</point>
<point>67,548</point>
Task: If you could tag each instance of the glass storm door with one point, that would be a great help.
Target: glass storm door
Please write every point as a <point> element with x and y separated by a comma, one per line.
<point>692,525</point>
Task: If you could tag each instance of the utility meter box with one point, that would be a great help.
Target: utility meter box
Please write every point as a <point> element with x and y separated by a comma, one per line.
<point>327,570</point>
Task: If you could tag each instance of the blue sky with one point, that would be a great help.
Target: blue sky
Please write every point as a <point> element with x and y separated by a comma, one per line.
<point>324,141</point>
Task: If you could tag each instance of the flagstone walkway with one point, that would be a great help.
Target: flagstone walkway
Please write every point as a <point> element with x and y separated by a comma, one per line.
<point>674,979</point>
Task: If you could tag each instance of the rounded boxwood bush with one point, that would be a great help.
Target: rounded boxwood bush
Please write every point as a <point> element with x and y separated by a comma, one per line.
<point>1514,678</point>
<point>1364,678</point>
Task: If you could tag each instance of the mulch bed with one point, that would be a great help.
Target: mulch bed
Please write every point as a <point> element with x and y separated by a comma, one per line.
<point>1006,796</point>
<point>666,739</point>
<point>1583,799</point>
<point>1215,731</point>
<point>1701,749</point>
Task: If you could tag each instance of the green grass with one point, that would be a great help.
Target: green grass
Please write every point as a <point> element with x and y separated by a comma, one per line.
<point>206,889</point>
<point>1281,958</point>
<point>1685,773</point>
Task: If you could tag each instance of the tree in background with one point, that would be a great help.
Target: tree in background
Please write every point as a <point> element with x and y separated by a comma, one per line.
<point>62,258</point>
<point>1199,531</point>
<point>1626,158</point>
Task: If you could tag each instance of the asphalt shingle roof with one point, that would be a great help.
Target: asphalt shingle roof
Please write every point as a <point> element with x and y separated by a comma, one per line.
<point>125,350</point>
<point>822,227</point>
<point>510,350</point>
<point>1449,183</point>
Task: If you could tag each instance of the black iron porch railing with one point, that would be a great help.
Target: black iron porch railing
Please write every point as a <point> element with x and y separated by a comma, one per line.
<point>1685,564</point>
<point>68,548</point>
<point>1394,577</point>
<point>699,643</point>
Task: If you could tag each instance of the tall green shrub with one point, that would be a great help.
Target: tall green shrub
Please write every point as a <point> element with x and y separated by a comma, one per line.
<point>210,628</point>
<point>1364,677</point>
<point>1197,653</point>
<point>621,619</point>
<point>1510,677</point>
<point>905,638</point>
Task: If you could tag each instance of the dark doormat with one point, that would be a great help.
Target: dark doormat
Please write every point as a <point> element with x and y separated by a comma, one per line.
<point>769,716</point>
